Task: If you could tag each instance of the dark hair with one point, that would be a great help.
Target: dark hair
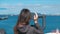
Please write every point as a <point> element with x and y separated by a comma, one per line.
<point>24,16</point>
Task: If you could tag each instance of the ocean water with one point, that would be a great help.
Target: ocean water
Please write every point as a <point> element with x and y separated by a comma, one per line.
<point>52,23</point>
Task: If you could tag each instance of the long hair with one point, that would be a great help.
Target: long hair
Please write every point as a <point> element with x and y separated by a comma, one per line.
<point>24,16</point>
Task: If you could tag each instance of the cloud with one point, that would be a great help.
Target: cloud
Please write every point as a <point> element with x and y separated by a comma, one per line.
<point>39,8</point>
<point>3,8</point>
<point>47,9</point>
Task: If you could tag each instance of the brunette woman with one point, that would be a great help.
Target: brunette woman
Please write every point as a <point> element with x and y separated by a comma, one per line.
<point>23,27</point>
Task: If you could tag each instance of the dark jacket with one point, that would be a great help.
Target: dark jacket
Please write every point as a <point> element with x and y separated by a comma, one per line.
<point>30,30</point>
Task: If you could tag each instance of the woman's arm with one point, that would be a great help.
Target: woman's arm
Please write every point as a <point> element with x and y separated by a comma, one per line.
<point>38,26</point>
<point>35,20</point>
<point>38,30</point>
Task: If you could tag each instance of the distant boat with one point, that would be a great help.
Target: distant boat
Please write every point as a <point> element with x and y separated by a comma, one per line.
<point>3,18</point>
<point>54,32</point>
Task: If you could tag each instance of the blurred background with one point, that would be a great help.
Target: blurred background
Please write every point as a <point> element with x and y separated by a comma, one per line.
<point>10,9</point>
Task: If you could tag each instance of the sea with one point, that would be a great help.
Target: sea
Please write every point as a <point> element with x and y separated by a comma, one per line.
<point>52,23</point>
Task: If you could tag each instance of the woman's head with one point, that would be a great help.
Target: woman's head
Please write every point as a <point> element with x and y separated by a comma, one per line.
<point>24,16</point>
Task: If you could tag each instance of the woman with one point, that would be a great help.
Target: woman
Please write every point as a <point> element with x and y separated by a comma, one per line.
<point>23,26</point>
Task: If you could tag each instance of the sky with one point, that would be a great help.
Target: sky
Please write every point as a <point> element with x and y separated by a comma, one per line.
<point>48,7</point>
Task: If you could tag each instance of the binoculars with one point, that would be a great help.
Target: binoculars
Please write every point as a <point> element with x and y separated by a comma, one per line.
<point>40,16</point>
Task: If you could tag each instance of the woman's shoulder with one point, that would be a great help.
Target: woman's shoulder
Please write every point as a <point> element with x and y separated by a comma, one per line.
<point>31,28</point>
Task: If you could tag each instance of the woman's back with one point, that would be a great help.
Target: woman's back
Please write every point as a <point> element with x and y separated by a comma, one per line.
<point>29,30</point>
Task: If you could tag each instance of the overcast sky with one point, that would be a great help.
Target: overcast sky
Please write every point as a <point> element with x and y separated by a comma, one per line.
<point>49,7</point>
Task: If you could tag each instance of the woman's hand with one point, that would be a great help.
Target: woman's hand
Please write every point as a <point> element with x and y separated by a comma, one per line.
<point>35,17</point>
